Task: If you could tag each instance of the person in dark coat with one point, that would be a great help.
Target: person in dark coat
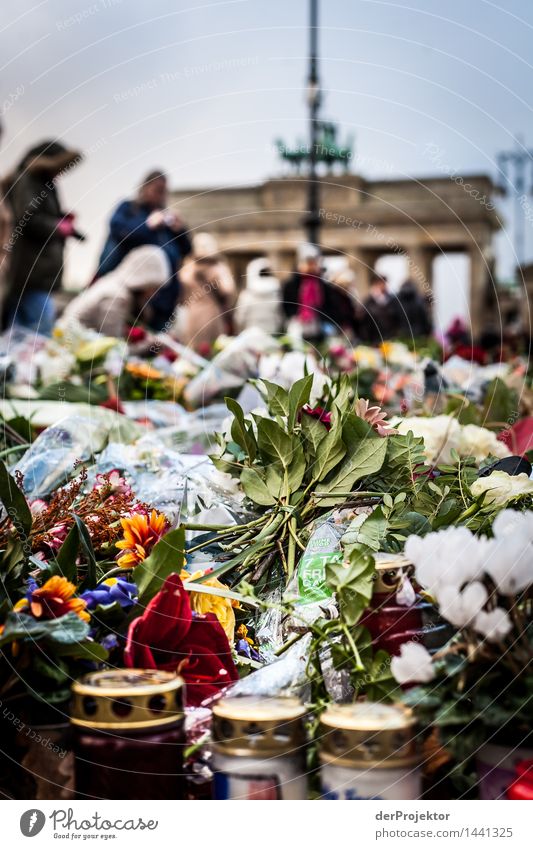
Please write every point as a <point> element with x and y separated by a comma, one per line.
<point>309,302</point>
<point>40,229</point>
<point>381,318</point>
<point>147,221</point>
<point>414,314</point>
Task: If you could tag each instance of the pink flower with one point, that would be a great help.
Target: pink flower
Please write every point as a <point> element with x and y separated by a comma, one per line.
<point>115,480</point>
<point>56,536</point>
<point>37,506</point>
<point>375,417</point>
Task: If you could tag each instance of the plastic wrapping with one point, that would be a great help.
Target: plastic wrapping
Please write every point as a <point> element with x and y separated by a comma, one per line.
<point>50,461</point>
<point>286,676</point>
<point>231,367</point>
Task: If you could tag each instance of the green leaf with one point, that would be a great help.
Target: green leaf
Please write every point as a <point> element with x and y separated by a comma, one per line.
<point>274,443</point>
<point>367,459</point>
<point>373,531</point>
<point>256,489</point>
<point>299,395</point>
<point>67,629</point>
<point>314,433</point>
<point>67,554</point>
<point>15,503</point>
<point>239,432</point>
<point>297,468</point>
<point>500,403</point>
<point>167,556</point>
<point>353,584</point>
<point>277,398</point>
<point>88,650</point>
<point>330,452</point>
<point>86,546</point>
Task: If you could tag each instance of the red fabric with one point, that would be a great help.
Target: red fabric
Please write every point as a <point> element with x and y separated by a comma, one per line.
<point>169,636</point>
<point>310,297</point>
<point>518,437</point>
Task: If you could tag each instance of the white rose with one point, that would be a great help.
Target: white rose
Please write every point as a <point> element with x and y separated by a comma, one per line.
<point>461,608</point>
<point>499,487</point>
<point>479,442</point>
<point>413,665</point>
<point>441,434</point>
<point>494,624</point>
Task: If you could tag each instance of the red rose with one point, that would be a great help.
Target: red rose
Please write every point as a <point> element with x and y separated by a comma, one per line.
<point>169,636</point>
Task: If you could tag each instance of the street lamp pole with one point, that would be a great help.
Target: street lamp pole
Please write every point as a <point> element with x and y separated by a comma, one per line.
<point>312,221</point>
<point>516,169</point>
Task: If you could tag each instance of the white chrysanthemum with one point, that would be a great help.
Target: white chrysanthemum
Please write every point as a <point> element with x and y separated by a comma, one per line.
<point>413,665</point>
<point>499,487</point>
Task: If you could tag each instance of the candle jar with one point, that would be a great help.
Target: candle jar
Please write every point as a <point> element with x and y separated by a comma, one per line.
<point>128,729</point>
<point>398,614</point>
<point>368,751</point>
<point>259,749</point>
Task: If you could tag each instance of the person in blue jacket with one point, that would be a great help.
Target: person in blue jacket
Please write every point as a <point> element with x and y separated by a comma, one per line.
<point>147,221</point>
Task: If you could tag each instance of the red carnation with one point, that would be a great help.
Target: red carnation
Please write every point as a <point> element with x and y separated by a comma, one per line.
<point>169,636</point>
<point>318,413</point>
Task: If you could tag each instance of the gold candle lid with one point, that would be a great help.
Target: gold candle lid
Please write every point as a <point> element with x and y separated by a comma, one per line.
<point>368,734</point>
<point>264,727</point>
<point>390,571</point>
<point>127,698</point>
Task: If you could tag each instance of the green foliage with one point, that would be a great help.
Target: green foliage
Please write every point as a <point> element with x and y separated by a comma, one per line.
<point>167,556</point>
<point>352,582</point>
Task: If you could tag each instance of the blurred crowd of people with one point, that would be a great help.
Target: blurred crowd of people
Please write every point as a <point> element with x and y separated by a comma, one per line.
<point>151,270</point>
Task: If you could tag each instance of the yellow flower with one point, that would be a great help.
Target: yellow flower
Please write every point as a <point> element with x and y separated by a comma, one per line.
<point>54,599</point>
<point>141,532</point>
<point>207,603</point>
<point>143,371</point>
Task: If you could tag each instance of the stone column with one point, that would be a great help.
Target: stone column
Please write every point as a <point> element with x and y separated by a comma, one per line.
<point>420,269</point>
<point>362,262</point>
<point>479,274</point>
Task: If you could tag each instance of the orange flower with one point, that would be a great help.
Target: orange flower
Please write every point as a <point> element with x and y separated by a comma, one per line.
<point>143,371</point>
<point>54,599</point>
<point>141,532</point>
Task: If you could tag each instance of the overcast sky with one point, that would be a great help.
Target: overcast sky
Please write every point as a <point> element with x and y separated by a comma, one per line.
<point>201,89</point>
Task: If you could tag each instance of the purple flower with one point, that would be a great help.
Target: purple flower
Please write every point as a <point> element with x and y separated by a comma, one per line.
<point>110,591</point>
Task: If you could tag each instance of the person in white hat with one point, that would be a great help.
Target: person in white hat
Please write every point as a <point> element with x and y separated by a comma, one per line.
<point>259,305</point>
